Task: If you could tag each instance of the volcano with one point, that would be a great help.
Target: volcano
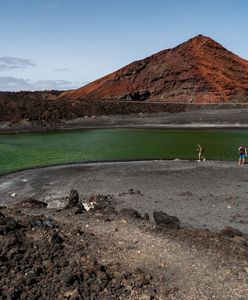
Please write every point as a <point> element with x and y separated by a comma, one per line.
<point>197,71</point>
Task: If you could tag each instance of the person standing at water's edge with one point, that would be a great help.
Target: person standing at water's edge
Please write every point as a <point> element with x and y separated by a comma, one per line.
<point>242,155</point>
<point>200,150</point>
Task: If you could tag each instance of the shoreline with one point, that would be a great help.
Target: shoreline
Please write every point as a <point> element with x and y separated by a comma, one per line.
<point>131,126</point>
<point>106,162</point>
<point>203,195</point>
<point>235,118</point>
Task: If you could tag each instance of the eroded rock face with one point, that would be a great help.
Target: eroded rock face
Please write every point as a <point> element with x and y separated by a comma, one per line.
<point>197,71</point>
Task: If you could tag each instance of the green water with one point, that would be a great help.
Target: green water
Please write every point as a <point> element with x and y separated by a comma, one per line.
<point>20,151</point>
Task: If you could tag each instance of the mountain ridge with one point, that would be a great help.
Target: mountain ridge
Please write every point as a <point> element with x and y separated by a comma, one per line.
<point>199,70</point>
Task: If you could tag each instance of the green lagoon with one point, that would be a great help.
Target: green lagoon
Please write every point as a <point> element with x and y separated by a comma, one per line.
<point>28,150</point>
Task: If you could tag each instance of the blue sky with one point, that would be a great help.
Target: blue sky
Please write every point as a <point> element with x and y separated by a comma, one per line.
<point>67,43</point>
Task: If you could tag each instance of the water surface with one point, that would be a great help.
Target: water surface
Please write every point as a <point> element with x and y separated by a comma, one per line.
<point>21,151</point>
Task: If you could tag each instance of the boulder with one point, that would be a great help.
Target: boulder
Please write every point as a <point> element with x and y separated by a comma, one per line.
<point>164,220</point>
<point>129,213</point>
<point>73,199</point>
<point>230,232</point>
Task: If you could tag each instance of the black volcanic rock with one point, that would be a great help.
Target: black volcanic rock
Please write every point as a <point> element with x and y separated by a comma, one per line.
<point>164,220</point>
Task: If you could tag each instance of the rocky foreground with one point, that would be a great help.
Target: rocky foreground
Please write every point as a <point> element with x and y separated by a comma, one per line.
<point>89,250</point>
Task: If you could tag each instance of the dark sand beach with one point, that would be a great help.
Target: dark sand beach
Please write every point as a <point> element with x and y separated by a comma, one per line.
<point>209,194</point>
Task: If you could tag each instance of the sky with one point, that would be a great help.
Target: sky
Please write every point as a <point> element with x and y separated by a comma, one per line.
<point>65,44</point>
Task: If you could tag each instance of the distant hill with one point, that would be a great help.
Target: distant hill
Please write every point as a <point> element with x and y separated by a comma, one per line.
<point>197,71</point>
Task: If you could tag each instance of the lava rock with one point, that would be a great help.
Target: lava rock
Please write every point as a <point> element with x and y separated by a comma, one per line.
<point>56,238</point>
<point>8,224</point>
<point>42,221</point>
<point>164,220</point>
<point>31,203</point>
<point>146,216</point>
<point>73,199</point>
<point>79,209</point>
<point>67,278</point>
<point>31,278</point>
<point>230,232</point>
<point>14,293</point>
<point>129,213</point>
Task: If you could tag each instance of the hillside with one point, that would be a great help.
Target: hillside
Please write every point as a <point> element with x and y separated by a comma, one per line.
<point>197,71</point>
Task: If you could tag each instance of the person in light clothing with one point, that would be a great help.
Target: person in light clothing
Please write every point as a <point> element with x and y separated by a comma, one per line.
<point>200,151</point>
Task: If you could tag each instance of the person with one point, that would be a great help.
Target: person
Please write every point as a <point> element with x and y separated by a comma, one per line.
<point>200,150</point>
<point>242,155</point>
